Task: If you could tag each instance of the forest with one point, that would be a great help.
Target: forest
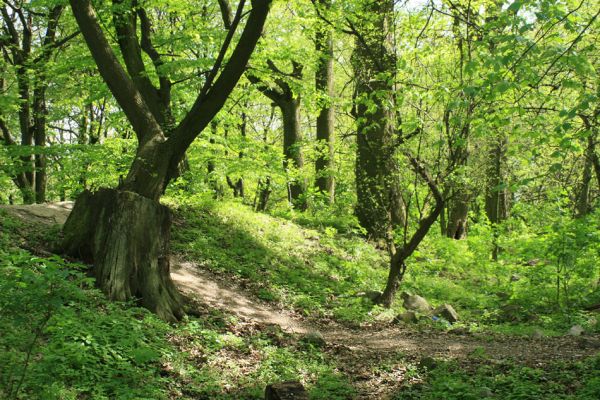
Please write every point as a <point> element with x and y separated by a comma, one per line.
<point>304,199</point>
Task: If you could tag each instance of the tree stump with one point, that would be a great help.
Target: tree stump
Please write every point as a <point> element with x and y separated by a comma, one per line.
<point>291,390</point>
<point>126,237</point>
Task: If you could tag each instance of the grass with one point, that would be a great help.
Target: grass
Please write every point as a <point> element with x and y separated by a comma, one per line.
<point>61,339</point>
<point>317,272</point>
<point>452,381</point>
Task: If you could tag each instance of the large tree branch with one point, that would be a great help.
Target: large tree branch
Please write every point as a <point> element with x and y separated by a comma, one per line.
<point>226,13</point>
<point>148,47</point>
<point>207,106</point>
<point>277,97</point>
<point>124,18</point>
<point>224,47</point>
<point>120,84</point>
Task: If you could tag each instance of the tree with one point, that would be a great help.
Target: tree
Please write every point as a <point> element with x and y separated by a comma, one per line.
<point>379,202</point>
<point>289,102</point>
<point>325,162</point>
<point>125,231</point>
<point>29,58</point>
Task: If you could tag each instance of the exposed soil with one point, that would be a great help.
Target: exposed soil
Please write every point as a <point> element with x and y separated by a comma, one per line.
<point>362,351</point>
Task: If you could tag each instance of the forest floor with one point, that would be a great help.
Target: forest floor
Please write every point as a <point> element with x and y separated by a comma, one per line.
<point>373,355</point>
<point>359,350</point>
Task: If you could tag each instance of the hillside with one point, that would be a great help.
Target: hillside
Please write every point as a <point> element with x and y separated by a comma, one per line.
<point>271,300</point>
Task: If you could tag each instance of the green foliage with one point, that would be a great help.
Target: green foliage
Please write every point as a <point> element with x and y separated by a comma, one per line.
<point>316,271</point>
<point>559,381</point>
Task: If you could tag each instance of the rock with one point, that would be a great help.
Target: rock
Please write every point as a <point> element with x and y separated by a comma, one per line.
<point>315,338</point>
<point>373,295</point>
<point>291,390</point>
<point>515,278</point>
<point>460,331</point>
<point>415,303</point>
<point>428,363</point>
<point>575,330</point>
<point>485,393</point>
<point>588,343</point>
<point>538,334</point>
<point>406,317</point>
<point>447,312</point>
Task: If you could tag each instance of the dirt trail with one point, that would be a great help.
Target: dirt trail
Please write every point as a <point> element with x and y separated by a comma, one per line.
<point>225,295</point>
<point>358,352</point>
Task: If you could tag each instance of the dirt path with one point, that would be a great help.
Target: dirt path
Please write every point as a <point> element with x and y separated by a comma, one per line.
<point>225,295</point>
<point>358,352</point>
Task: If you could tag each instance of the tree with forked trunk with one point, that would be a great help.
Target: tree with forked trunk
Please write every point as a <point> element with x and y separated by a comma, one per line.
<point>125,231</point>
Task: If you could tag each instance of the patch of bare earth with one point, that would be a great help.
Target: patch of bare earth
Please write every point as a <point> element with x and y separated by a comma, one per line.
<point>375,358</point>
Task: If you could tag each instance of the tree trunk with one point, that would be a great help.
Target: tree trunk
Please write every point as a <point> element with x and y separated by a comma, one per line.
<point>324,164</point>
<point>496,197</point>
<point>135,263</point>
<point>398,257</point>
<point>582,205</point>
<point>292,150</point>
<point>263,194</point>
<point>458,217</point>
<point>379,203</point>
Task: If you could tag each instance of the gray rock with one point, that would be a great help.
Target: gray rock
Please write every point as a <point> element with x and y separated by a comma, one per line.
<point>575,330</point>
<point>373,295</point>
<point>428,363</point>
<point>315,338</point>
<point>291,390</point>
<point>515,278</point>
<point>416,303</point>
<point>538,334</point>
<point>447,312</point>
<point>406,317</point>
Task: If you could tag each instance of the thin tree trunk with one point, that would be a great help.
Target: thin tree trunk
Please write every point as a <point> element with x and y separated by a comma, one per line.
<point>325,162</point>
<point>292,150</point>
<point>582,205</point>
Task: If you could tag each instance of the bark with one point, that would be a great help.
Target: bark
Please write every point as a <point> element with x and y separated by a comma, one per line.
<point>292,150</point>
<point>582,204</point>
<point>379,204</point>
<point>325,162</point>
<point>496,198</point>
<point>126,236</point>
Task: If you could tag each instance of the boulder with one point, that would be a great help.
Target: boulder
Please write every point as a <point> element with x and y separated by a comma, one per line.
<point>291,390</point>
<point>406,317</point>
<point>416,303</point>
<point>575,330</point>
<point>447,312</point>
